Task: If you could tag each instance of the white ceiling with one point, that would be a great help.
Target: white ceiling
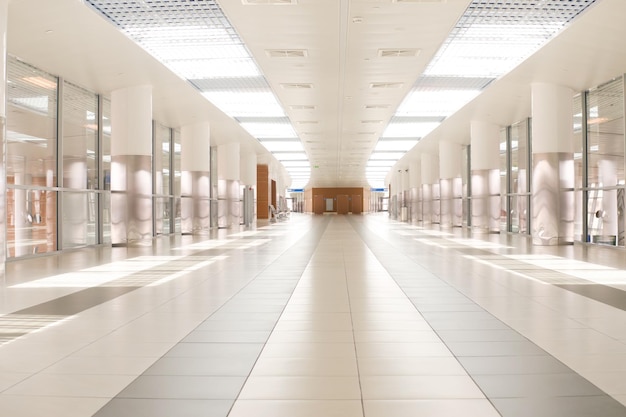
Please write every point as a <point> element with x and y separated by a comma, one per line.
<point>342,39</point>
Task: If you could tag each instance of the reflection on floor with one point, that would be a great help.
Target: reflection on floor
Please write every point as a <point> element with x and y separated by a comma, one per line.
<point>317,316</point>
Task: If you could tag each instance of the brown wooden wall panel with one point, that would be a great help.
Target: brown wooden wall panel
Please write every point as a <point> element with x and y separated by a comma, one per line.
<point>357,204</point>
<point>367,197</point>
<point>334,192</point>
<point>318,204</point>
<point>263,192</point>
<point>342,204</point>
<point>274,198</point>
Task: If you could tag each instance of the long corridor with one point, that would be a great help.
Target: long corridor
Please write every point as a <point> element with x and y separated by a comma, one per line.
<point>317,316</point>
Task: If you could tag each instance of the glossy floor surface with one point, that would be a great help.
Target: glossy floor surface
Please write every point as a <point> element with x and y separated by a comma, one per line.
<point>317,316</point>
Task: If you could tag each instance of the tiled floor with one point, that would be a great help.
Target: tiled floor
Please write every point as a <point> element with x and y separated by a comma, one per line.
<point>317,316</point>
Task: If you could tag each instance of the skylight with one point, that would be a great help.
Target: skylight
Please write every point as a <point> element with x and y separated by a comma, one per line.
<point>489,40</point>
<point>196,41</point>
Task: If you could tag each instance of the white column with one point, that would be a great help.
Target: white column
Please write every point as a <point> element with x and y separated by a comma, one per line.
<point>450,163</point>
<point>228,191</point>
<point>485,160</point>
<point>415,175</point>
<point>248,181</point>
<point>430,175</point>
<point>131,165</point>
<point>553,168</point>
<point>4,12</point>
<point>195,184</point>
<point>404,195</point>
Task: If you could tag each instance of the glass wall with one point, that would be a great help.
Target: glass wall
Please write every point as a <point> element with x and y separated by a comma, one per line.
<point>466,184</point>
<point>605,163</point>
<point>162,161</point>
<point>504,174</point>
<point>176,180</point>
<point>105,162</point>
<point>519,178</point>
<point>580,168</point>
<point>31,160</point>
<point>515,157</point>
<point>79,203</point>
<point>59,165</point>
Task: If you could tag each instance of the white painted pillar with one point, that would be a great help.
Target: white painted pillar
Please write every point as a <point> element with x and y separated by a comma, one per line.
<point>195,184</point>
<point>430,176</point>
<point>450,164</point>
<point>131,165</point>
<point>248,181</point>
<point>485,160</point>
<point>415,175</point>
<point>553,165</point>
<point>228,190</point>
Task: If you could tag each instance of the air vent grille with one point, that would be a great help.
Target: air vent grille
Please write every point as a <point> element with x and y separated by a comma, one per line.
<point>286,53</point>
<point>386,85</point>
<point>302,107</point>
<point>297,86</point>
<point>407,53</point>
<point>419,1</point>
<point>270,2</point>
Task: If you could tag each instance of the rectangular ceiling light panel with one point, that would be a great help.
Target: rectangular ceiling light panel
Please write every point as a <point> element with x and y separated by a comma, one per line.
<point>397,129</point>
<point>399,145</point>
<point>270,130</point>
<point>491,38</point>
<point>196,41</point>
<point>246,103</point>
<point>282,145</point>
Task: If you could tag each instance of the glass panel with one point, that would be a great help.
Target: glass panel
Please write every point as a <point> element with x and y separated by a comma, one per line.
<point>31,216</point>
<point>162,209</point>
<point>106,170</point>
<point>80,129</point>
<point>31,159</point>
<point>464,184</point>
<point>504,172</point>
<point>605,147</point>
<point>519,158</point>
<point>162,160</point>
<point>177,177</point>
<point>578,167</point>
<point>605,126</point>
<point>79,219</point>
<point>162,168</point>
